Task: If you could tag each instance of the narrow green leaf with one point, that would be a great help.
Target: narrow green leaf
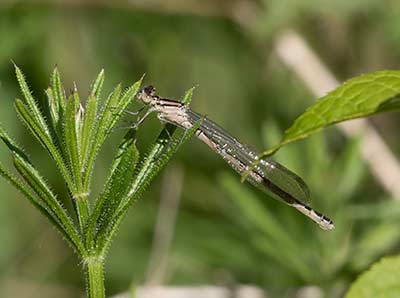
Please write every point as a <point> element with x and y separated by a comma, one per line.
<point>42,208</point>
<point>44,139</point>
<point>37,183</point>
<point>187,97</point>
<point>30,101</point>
<point>108,117</point>
<point>359,97</point>
<point>381,281</point>
<point>98,85</point>
<point>160,153</point>
<point>58,91</point>
<point>11,144</point>
<point>88,127</point>
<point>127,97</point>
<point>116,187</point>
<point>71,140</point>
<point>54,108</point>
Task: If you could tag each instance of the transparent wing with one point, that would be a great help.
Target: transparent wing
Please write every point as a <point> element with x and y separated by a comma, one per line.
<point>269,175</point>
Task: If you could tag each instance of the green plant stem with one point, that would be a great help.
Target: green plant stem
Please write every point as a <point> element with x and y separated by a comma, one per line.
<point>95,277</point>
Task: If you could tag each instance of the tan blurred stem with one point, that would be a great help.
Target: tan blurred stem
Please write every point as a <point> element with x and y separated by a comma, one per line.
<point>294,51</point>
<point>195,292</point>
<point>163,233</point>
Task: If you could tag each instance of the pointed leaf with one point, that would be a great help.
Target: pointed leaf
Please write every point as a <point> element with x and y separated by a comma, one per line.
<point>97,85</point>
<point>116,187</point>
<point>11,144</point>
<point>45,140</point>
<point>160,153</point>
<point>42,208</point>
<point>30,101</point>
<point>58,91</point>
<point>54,108</point>
<point>108,117</point>
<point>88,127</point>
<point>71,139</point>
<point>359,97</point>
<point>49,200</point>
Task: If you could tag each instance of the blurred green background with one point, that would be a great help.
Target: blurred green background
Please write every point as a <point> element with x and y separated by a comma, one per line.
<point>226,233</point>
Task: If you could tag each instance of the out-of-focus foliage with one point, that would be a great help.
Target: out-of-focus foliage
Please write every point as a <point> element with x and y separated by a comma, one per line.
<point>242,86</point>
<point>381,281</point>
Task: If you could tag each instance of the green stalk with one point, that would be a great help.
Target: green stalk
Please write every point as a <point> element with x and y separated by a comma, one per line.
<point>95,277</point>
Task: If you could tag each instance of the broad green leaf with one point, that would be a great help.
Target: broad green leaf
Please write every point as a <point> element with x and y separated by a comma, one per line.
<point>44,139</point>
<point>116,187</point>
<point>380,281</point>
<point>359,97</point>
<point>30,101</point>
<point>71,140</point>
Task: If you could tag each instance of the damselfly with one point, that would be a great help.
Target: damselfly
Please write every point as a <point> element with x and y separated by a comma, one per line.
<point>267,175</point>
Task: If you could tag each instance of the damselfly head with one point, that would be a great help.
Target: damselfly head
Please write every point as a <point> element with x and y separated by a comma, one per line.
<point>146,95</point>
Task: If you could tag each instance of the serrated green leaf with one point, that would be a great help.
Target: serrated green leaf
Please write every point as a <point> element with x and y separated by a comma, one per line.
<point>116,187</point>
<point>44,139</point>
<point>381,281</point>
<point>49,200</point>
<point>30,101</point>
<point>359,97</point>
<point>71,140</point>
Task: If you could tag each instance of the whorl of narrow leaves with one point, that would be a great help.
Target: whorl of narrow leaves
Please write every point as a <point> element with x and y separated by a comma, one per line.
<point>73,136</point>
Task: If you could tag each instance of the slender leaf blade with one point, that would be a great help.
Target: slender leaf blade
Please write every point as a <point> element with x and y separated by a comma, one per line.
<point>30,101</point>
<point>116,187</point>
<point>58,91</point>
<point>49,199</point>
<point>45,140</point>
<point>108,117</point>
<point>159,155</point>
<point>42,209</point>
<point>71,138</point>
<point>88,127</point>
<point>98,85</point>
